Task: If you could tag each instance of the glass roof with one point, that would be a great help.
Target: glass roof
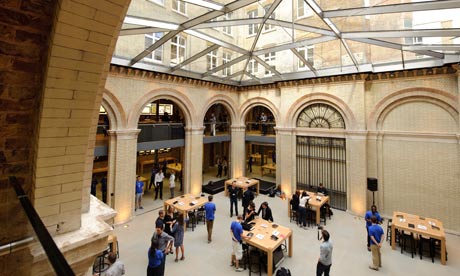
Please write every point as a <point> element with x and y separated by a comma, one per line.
<point>250,42</point>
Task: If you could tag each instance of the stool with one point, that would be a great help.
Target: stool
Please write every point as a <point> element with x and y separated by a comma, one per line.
<point>404,238</point>
<point>293,216</point>
<point>101,263</point>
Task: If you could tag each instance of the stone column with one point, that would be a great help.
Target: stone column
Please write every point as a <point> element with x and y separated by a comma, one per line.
<point>285,160</point>
<point>122,173</point>
<point>238,151</point>
<point>193,160</point>
<point>356,172</point>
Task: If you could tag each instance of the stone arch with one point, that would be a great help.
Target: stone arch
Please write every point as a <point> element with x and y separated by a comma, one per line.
<point>115,111</point>
<point>247,105</point>
<point>443,99</point>
<point>226,101</point>
<point>163,93</point>
<point>337,103</point>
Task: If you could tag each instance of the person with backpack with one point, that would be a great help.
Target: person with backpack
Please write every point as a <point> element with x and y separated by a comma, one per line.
<point>156,257</point>
<point>325,255</point>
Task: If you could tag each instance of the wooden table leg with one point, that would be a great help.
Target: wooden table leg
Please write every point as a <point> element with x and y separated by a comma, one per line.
<point>443,251</point>
<point>393,237</point>
<point>270,263</point>
<point>318,215</point>
<point>258,188</point>
<point>290,245</point>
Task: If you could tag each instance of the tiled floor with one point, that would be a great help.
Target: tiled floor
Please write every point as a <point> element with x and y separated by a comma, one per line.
<point>350,256</point>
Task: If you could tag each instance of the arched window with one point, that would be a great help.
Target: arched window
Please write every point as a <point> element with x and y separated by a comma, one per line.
<point>320,115</point>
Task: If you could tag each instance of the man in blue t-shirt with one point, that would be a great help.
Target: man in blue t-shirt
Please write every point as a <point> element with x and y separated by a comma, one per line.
<point>367,217</point>
<point>236,230</point>
<point>210,209</point>
<point>139,193</point>
<point>376,236</point>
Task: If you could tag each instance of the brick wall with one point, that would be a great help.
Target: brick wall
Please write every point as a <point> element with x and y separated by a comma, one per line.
<point>25,27</point>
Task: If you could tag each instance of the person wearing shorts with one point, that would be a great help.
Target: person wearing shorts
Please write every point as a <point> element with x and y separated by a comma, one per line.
<point>236,231</point>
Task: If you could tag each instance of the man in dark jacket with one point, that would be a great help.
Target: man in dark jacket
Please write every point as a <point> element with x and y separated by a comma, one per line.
<point>248,196</point>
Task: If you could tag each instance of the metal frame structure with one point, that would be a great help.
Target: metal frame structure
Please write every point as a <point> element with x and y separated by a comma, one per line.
<point>435,54</point>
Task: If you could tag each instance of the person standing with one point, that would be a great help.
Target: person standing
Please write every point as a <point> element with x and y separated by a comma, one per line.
<point>325,255</point>
<point>263,122</point>
<point>225,165</point>
<point>250,161</point>
<point>266,211</point>
<point>219,168</point>
<point>236,231</point>
<point>367,217</point>
<point>152,176</point>
<point>165,242</point>
<point>155,260</point>
<point>160,218</point>
<point>172,184</point>
<point>178,231</point>
<point>104,188</point>
<point>94,183</point>
<point>117,268</point>
<point>139,193</point>
<point>233,194</point>
<point>159,184</point>
<point>248,196</point>
<point>376,236</point>
<point>213,122</point>
<point>210,209</point>
<point>302,217</point>
<point>168,220</point>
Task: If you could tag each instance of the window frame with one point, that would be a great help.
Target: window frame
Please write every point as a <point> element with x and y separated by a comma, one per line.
<point>151,57</point>
<point>178,46</point>
<point>253,28</point>
<point>179,3</point>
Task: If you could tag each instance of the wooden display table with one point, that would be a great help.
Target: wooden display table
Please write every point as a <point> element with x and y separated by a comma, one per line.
<point>100,170</point>
<point>177,167</point>
<point>261,238</point>
<point>427,227</point>
<point>315,201</point>
<point>257,158</point>
<point>144,162</point>
<point>241,182</point>
<point>185,203</point>
<point>270,167</point>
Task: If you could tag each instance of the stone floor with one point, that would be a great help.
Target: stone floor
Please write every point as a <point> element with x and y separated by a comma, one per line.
<point>350,255</point>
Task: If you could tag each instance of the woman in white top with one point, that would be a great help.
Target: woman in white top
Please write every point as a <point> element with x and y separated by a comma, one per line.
<point>172,184</point>
<point>303,210</point>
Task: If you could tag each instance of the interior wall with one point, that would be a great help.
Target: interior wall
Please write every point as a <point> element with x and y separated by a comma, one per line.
<point>420,174</point>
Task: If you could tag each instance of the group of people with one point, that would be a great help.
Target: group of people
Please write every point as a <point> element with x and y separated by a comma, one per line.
<point>249,208</point>
<point>300,204</point>
<point>375,238</point>
<point>222,165</point>
<point>156,180</point>
<point>95,182</point>
<point>169,232</point>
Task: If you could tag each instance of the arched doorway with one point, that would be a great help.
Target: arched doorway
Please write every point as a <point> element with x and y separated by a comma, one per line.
<point>216,143</point>
<point>322,159</point>
<point>160,147</point>
<point>261,144</point>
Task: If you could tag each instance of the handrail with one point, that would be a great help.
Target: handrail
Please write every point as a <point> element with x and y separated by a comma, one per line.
<point>57,260</point>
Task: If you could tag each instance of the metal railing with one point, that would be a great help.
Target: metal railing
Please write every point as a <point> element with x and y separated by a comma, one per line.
<point>55,256</point>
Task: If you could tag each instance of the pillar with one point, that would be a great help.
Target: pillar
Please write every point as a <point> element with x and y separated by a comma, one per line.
<point>238,166</point>
<point>122,173</point>
<point>356,172</point>
<point>286,160</point>
<point>193,160</point>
